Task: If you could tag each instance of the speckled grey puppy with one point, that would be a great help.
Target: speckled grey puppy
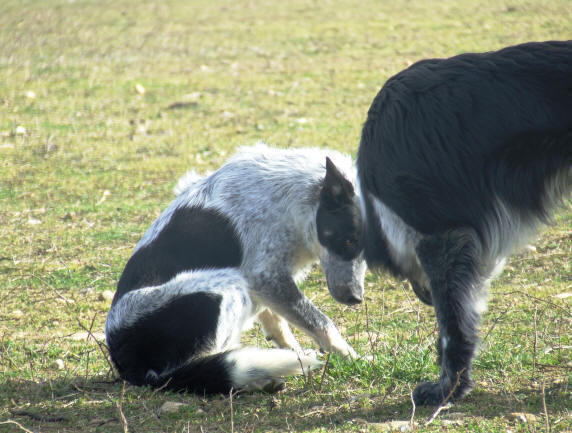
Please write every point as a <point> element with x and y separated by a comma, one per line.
<point>256,225</point>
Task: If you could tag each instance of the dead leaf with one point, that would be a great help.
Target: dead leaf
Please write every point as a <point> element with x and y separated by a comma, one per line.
<point>522,417</point>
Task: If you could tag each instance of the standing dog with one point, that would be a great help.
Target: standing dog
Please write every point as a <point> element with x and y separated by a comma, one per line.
<point>230,247</point>
<point>460,161</point>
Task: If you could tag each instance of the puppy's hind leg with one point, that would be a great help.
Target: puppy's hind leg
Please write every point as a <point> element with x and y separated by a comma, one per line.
<point>276,329</point>
<point>452,263</point>
<point>289,302</point>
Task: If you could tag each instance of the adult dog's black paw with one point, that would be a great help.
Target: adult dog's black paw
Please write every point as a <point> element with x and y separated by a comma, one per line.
<point>428,394</point>
<point>435,393</point>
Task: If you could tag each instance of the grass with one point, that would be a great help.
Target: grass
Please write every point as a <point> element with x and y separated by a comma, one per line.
<point>104,104</point>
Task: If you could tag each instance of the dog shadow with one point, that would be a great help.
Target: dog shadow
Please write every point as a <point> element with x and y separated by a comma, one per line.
<point>479,403</point>
<point>30,407</point>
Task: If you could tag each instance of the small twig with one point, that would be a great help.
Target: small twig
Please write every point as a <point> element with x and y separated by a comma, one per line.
<point>435,414</point>
<point>494,324</point>
<point>156,390</point>
<point>324,372</point>
<point>121,414</point>
<point>307,374</point>
<point>105,421</point>
<point>373,343</point>
<point>231,412</point>
<point>546,419</point>
<point>535,343</point>
<point>443,404</point>
<point>20,426</point>
<point>413,408</point>
<point>546,301</point>
<point>36,417</point>
<point>102,346</point>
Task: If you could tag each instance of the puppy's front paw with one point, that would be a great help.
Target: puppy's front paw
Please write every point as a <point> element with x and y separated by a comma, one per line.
<point>339,345</point>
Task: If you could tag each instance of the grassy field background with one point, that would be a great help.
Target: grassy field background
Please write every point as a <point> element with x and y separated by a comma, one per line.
<point>104,104</point>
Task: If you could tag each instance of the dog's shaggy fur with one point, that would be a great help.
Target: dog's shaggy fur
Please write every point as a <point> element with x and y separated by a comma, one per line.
<point>229,248</point>
<point>460,161</point>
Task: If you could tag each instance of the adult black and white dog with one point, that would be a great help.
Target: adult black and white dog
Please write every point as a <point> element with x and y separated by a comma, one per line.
<point>460,161</point>
<point>231,247</point>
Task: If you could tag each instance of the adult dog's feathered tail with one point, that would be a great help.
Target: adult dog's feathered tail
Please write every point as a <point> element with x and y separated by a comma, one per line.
<point>240,369</point>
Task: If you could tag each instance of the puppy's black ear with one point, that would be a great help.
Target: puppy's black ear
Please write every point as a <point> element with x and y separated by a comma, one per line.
<point>336,190</point>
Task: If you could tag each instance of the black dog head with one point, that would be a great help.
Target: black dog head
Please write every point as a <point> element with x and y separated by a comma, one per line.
<point>339,224</point>
<point>339,219</point>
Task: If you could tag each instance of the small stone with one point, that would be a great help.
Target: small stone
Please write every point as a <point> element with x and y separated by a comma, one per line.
<point>390,426</point>
<point>171,407</point>
<point>106,295</point>
<point>30,94</point>
<point>58,364</point>
<point>20,130</point>
<point>17,314</point>
<point>139,89</point>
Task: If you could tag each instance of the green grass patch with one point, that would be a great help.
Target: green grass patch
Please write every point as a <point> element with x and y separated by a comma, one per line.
<point>88,160</point>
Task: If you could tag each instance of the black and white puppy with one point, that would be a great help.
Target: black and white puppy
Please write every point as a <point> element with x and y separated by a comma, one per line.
<point>229,249</point>
<point>460,161</point>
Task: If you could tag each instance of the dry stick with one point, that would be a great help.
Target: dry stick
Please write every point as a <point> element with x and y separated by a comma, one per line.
<point>546,301</point>
<point>305,374</point>
<point>87,361</point>
<point>231,413</point>
<point>444,402</point>
<point>102,346</point>
<point>546,420</point>
<point>494,324</point>
<point>121,414</point>
<point>20,426</point>
<point>156,390</point>
<point>535,343</point>
<point>357,333</point>
<point>413,409</point>
<point>36,417</point>
<point>372,342</point>
<point>324,372</point>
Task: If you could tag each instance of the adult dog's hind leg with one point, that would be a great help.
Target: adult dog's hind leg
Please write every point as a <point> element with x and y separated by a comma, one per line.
<point>452,263</point>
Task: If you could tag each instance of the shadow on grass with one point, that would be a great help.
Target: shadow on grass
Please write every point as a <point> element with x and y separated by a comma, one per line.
<point>71,404</point>
<point>76,404</point>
